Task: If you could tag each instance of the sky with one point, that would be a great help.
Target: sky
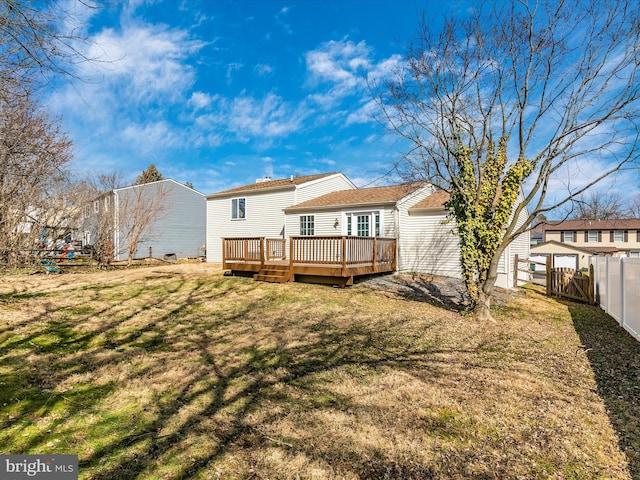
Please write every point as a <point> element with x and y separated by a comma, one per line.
<point>221,93</point>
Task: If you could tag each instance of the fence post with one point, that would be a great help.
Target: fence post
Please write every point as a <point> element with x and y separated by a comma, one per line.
<point>608,282</point>
<point>623,311</point>
<point>548,282</point>
<point>592,285</point>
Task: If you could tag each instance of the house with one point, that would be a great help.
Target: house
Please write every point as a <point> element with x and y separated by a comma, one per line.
<point>257,209</point>
<point>570,243</point>
<point>163,218</point>
<point>347,232</point>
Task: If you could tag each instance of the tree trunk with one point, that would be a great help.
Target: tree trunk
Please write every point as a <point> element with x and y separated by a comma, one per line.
<point>482,310</point>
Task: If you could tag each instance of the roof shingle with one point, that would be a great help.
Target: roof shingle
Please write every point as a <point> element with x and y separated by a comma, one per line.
<point>436,200</point>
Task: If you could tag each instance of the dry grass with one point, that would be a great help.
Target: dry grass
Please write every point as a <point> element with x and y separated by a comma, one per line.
<point>178,372</point>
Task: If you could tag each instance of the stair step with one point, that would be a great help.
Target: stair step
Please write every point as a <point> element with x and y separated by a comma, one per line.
<point>271,278</point>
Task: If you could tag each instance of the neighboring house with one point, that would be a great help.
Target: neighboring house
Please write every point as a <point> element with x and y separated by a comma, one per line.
<point>413,215</point>
<point>257,209</point>
<point>570,243</point>
<point>163,217</point>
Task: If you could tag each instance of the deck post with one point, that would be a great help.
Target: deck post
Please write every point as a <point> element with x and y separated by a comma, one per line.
<point>261,253</point>
<point>374,263</point>
<point>291,275</point>
<point>224,253</point>
<point>344,256</point>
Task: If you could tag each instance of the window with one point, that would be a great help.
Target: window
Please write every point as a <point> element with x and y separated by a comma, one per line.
<point>96,206</point>
<point>307,224</point>
<point>593,236</point>
<point>238,209</point>
<point>568,237</point>
<point>634,254</point>
<point>363,225</point>
<point>618,236</point>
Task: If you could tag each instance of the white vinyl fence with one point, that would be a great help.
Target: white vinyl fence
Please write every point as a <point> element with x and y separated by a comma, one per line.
<point>617,284</point>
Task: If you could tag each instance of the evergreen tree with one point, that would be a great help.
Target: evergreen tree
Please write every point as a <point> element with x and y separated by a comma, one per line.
<point>151,174</point>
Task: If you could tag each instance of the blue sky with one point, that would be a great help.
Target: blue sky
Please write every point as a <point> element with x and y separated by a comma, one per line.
<point>220,93</point>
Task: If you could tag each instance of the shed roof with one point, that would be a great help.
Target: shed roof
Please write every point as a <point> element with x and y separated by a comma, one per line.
<point>281,184</point>
<point>360,197</point>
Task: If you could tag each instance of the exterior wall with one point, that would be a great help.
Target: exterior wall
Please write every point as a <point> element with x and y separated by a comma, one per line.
<point>265,213</point>
<point>177,228</point>
<point>264,217</point>
<point>322,186</point>
<point>426,245</point>
<point>520,246</point>
<point>632,242</point>
<point>325,221</point>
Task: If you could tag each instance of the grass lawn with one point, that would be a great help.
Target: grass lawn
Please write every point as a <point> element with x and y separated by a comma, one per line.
<point>179,372</point>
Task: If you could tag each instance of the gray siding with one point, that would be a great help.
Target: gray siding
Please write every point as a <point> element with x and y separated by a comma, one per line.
<point>177,228</point>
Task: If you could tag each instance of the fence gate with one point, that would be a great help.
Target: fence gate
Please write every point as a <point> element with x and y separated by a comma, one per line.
<point>569,283</point>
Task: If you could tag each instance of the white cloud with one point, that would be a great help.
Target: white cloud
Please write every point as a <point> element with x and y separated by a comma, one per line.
<point>201,100</point>
<point>146,62</point>
<point>263,69</point>
<point>342,68</point>
<point>338,62</point>
<point>268,117</point>
<point>364,114</point>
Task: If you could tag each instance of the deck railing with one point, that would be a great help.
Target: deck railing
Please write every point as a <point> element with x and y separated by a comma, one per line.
<point>276,248</point>
<point>250,249</point>
<point>344,251</point>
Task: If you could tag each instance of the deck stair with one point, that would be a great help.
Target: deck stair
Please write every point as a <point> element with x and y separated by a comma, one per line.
<point>274,274</point>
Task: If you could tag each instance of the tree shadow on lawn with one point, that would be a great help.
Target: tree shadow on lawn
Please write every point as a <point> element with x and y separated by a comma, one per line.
<point>441,292</point>
<point>614,356</point>
<point>211,403</point>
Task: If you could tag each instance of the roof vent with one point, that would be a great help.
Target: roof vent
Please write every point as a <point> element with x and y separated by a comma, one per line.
<point>265,179</point>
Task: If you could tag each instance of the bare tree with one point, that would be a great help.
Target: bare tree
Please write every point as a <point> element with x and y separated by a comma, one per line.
<point>34,158</point>
<point>37,40</point>
<point>509,102</point>
<point>633,206</point>
<point>597,205</point>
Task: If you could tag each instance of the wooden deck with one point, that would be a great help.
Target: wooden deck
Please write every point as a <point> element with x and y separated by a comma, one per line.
<point>334,260</point>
